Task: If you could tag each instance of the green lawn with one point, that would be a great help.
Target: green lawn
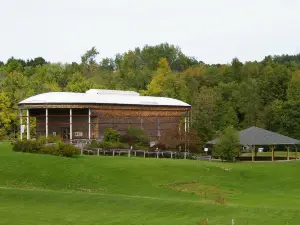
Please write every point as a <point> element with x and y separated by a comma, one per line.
<point>90,190</point>
<point>277,153</point>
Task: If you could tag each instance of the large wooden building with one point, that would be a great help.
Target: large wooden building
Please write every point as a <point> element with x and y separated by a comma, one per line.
<point>87,115</point>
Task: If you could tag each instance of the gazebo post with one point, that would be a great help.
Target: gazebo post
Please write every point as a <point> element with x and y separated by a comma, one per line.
<point>273,155</point>
<point>71,126</point>
<point>185,120</point>
<point>255,151</point>
<point>47,129</point>
<point>288,152</point>
<point>252,151</point>
<point>141,118</point>
<point>89,124</point>
<point>296,152</point>
<point>21,124</point>
<point>28,124</point>
<point>188,130</point>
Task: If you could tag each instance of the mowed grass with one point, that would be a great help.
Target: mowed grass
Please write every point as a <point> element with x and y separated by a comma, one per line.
<point>42,189</point>
<point>276,154</point>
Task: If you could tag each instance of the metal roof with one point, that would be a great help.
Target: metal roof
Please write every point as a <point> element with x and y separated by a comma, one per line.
<point>101,96</point>
<point>259,136</point>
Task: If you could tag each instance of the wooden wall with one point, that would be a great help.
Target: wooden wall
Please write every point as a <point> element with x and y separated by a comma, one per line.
<point>154,120</point>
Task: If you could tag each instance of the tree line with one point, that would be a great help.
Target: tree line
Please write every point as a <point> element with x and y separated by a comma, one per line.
<point>256,93</point>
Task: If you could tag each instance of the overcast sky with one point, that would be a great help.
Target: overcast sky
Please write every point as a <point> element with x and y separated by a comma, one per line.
<point>214,31</point>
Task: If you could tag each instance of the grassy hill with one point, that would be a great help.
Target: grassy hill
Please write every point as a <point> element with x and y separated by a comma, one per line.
<point>42,189</point>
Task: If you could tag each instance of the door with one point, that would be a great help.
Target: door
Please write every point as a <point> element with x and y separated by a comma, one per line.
<point>65,133</point>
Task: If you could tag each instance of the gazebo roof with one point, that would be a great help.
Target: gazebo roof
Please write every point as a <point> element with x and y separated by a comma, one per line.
<point>259,136</point>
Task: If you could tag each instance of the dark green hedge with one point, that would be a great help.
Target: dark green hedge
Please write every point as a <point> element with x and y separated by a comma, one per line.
<point>58,149</point>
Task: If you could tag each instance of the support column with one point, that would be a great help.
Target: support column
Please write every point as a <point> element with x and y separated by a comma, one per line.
<point>158,129</point>
<point>46,123</point>
<point>71,126</point>
<point>89,124</point>
<point>28,124</point>
<point>141,120</point>
<point>21,124</point>
<point>185,134</point>
<point>273,154</point>
<point>253,152</point>
<point>188,131</point>
<point>191,115</point>
<point>188,122</point>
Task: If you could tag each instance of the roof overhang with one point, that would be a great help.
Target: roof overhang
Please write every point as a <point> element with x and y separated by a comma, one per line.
<point>99,97</point>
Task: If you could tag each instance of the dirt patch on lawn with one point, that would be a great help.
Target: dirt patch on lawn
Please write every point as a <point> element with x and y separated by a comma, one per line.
<point>91,190</point>
<point>207,192</point>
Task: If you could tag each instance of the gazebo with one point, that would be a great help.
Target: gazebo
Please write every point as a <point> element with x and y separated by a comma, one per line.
<point>255,136</point>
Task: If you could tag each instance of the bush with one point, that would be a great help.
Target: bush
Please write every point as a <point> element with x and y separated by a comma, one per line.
<point>2,134</point>
<point>58,148</point>
<point>112,145</point>
<point>50,150</point>
<point>68,150</point>
<point>50,139</point>
<point>107,145</point>
<point>94,144</point>
<point>191,156</point>
<point>141,146</point>
<point>228,145</point>
<point>179,156</point>
<point>18,146</point>
<point>42,140</point>
<point>53,139</point>
<point>135,135</point>
<point>26,146</point>
<point>111,135</point>
<point>160,146</point>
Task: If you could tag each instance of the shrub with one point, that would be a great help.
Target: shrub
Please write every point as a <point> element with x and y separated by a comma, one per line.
<point>141,146</point>
<point>111,135</point>
<point>58,148</point>
<point>104,144</point>
<point>112,145</point>
<point>26,146</point>
<point>17,146</point>
<point>136,135</point>
<point>2,134</point>
<point>68,150</point>
<point>53,139</point>
<point>50,139</point>
<point>33,146</point>
<point>160,146</point>
<point>228,146</point>
<point>179,156</point>
<point>50,150</point>
<point>191,156</point>
<point>107,145</point>
<point>94,144</point>
<point>42,140</point>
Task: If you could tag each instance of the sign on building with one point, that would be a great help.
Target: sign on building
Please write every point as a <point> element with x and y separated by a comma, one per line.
<point>78,134</point>
<point>22,129</point>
